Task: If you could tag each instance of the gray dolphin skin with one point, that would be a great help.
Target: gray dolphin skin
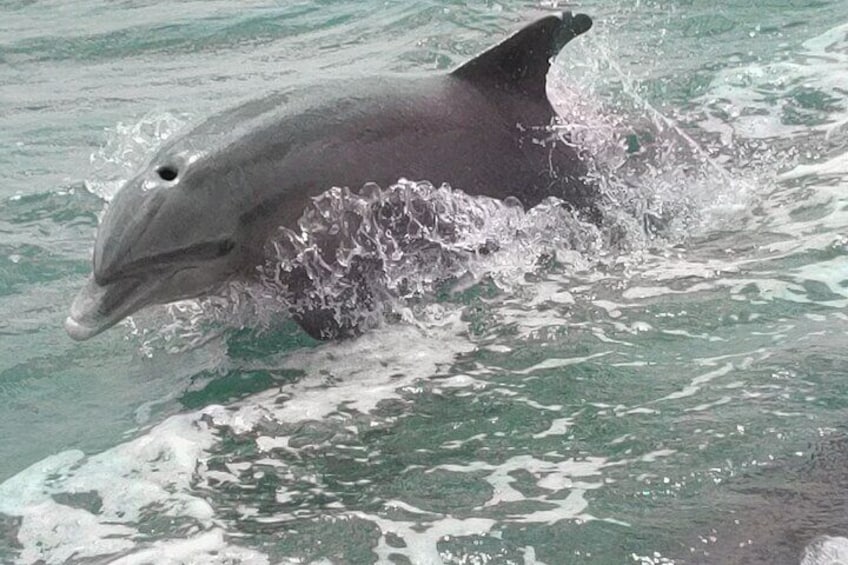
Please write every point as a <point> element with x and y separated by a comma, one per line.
<point>200,213</point>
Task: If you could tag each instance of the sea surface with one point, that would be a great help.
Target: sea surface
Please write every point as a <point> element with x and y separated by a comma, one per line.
<point>669,387</point>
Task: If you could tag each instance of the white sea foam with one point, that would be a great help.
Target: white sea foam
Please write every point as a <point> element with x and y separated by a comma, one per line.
<point>758,101</point>
<point>77,506</point>
<point>826,550</point>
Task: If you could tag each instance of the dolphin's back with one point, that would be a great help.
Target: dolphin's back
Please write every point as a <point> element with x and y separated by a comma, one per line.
<point>481,128</point>
<point>437,129</point>
<point>441,130</point>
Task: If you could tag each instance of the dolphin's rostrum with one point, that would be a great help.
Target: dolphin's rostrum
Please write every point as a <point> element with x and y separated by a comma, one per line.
<point>198,215</point>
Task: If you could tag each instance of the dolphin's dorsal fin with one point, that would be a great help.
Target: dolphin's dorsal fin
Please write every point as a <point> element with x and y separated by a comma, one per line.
<point>521,62</point>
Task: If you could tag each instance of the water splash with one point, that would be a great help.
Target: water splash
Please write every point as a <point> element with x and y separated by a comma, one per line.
<point>662,186</point>
<point>359,257</point>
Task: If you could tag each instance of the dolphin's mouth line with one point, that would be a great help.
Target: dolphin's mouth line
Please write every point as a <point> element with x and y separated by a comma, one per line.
<point>113,299</point>
<point>170,261</point>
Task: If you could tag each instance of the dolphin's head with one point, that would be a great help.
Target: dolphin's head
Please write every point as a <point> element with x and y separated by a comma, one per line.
<point>172,232</point>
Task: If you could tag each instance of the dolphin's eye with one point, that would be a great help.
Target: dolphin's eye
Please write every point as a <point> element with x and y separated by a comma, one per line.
<point>167,172</point>
<point>224,247</point>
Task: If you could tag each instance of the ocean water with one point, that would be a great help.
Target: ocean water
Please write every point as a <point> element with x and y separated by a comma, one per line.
<point>669,388</point>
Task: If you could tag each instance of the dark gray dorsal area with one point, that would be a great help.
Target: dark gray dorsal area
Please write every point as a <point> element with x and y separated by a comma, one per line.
<point>521,62</point>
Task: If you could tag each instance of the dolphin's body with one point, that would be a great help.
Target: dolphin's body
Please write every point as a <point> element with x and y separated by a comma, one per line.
<point>199,214</point>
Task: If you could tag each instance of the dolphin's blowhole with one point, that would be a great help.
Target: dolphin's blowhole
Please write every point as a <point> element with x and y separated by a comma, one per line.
<point>167,172</point>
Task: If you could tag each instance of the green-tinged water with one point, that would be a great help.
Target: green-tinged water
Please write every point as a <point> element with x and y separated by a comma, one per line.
<point>672,389</point>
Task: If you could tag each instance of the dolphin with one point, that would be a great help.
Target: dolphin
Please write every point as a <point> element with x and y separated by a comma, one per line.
<point>199,214</point>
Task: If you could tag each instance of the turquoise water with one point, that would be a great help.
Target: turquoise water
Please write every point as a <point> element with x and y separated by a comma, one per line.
<point>669,389</point>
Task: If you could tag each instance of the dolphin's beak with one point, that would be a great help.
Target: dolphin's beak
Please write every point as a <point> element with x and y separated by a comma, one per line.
<point>97,308</point>
<point>79,331</point>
